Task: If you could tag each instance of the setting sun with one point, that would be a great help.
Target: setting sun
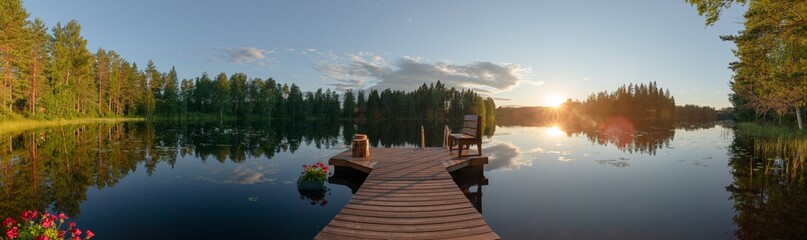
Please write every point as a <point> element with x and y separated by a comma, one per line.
<point>554,100</point>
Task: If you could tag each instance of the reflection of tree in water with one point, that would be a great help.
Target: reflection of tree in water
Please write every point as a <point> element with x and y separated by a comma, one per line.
<point>769,188</point>
<point>626,135</point>
<point>397,133</point>
<point>56,166</point>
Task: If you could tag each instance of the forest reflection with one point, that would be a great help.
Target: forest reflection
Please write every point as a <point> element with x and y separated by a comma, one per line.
<point>632,136</point>
<point>55,167</point>
<point>769,188</point>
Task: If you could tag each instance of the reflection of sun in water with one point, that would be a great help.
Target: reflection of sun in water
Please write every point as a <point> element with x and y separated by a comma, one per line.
<point>554,131</point>
<point>554,100</point>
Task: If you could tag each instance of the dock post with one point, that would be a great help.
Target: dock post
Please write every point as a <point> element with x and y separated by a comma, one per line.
<point>422,137</point>
<point>446,132</point>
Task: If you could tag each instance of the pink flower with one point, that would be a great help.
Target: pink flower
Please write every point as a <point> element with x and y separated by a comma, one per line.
<point>41,237</point>
<point>12,233</point>
<point>305,166</point>
<point>61,234</point>
<point>62,216</point>
<point>71,224</point>
<point>90,234</point>
<point>8,222</point>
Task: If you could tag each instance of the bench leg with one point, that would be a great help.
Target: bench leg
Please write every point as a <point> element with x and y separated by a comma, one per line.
<point>479,148</point>
<point>460,148</point>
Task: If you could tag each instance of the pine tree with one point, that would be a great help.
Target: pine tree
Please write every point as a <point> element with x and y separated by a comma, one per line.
<point>38,58</point>
<point>238,85</point>
<point>71,71</point>
<point>115,87</point>
<point>155,84</point>
<point>170,95</point>
<point>12,41</point>
<point>221,94</point>
<point>102,72</point>
<point>349,104</point>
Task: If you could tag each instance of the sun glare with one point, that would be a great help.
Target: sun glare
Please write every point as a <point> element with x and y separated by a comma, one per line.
<point>554,100</point>
<point>554,131</point>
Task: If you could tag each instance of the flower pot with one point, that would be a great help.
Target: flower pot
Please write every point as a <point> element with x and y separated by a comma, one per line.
<point>310,185</point>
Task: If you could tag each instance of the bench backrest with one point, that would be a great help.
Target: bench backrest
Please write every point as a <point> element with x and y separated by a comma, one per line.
<point>471,126</point>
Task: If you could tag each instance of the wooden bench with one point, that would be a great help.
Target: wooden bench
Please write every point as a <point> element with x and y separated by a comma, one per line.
<point>471,134</point>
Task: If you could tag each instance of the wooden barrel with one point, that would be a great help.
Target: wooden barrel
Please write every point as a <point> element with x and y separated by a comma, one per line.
<point>361,148</point>
<point>359,136</point>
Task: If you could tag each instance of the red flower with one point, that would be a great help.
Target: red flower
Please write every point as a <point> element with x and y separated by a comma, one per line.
<point>61,234</point>
<point>305,166</point>
<point>41,237</point>
<point>62,216</point>
<point>28,215</point>
<point>90,234</point>
<point>47,222</point>
<point>8,222</point>
<point>71,224</point>
<point>12,233</point>
<point>76,232</point>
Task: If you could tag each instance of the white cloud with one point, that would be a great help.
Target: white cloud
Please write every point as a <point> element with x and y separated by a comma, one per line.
<point>244,55</point>
<point>241,175</point>
<point>506,156</point>
<point>362,69</point>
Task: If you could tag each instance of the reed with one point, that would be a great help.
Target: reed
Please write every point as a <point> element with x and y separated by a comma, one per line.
<point>770,132</point>
<point>14,126</point>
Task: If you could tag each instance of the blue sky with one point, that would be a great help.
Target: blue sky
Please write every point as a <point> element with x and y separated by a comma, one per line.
<point>520,52</point>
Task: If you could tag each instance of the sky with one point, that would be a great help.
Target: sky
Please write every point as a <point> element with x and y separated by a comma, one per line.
<point>521,53</point>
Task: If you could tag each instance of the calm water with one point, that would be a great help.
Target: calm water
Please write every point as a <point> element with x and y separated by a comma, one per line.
<point>236,180</point>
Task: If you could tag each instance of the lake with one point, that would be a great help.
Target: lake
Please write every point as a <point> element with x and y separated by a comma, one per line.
<point>236,180</point>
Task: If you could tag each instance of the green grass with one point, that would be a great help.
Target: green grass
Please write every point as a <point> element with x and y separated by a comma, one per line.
<point>13,126</point>
<point>769,131</point>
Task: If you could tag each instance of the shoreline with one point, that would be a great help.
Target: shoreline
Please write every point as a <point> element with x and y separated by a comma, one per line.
<point>14,126</point>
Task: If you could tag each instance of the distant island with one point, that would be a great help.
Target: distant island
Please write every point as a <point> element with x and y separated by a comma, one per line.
<point>640,102</point>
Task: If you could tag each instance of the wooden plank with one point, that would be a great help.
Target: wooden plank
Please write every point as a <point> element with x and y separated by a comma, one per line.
<point>489,235</point>
<point>469,132</point>
<point>405,235</point>
<point>408,194</point>
<point>403,194</point>
<point>407,209</point>
<point>471,117</point>
<point>380,183</point>
<point>417,199</point>
<point>412,187</point>
<point>439,213</point>
<point>471,125</point>
<point>409,221</point>
<point>407,204</point>
<point>414,228</point>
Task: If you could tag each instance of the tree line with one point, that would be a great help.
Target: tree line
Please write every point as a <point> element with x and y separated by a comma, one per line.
<point>632,101</point>
<point>53,75</point>
<point>637,101</point>
<point>770,77</point>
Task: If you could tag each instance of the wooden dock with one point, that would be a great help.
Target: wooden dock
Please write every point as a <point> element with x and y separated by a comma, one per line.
<point>408,194</point>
